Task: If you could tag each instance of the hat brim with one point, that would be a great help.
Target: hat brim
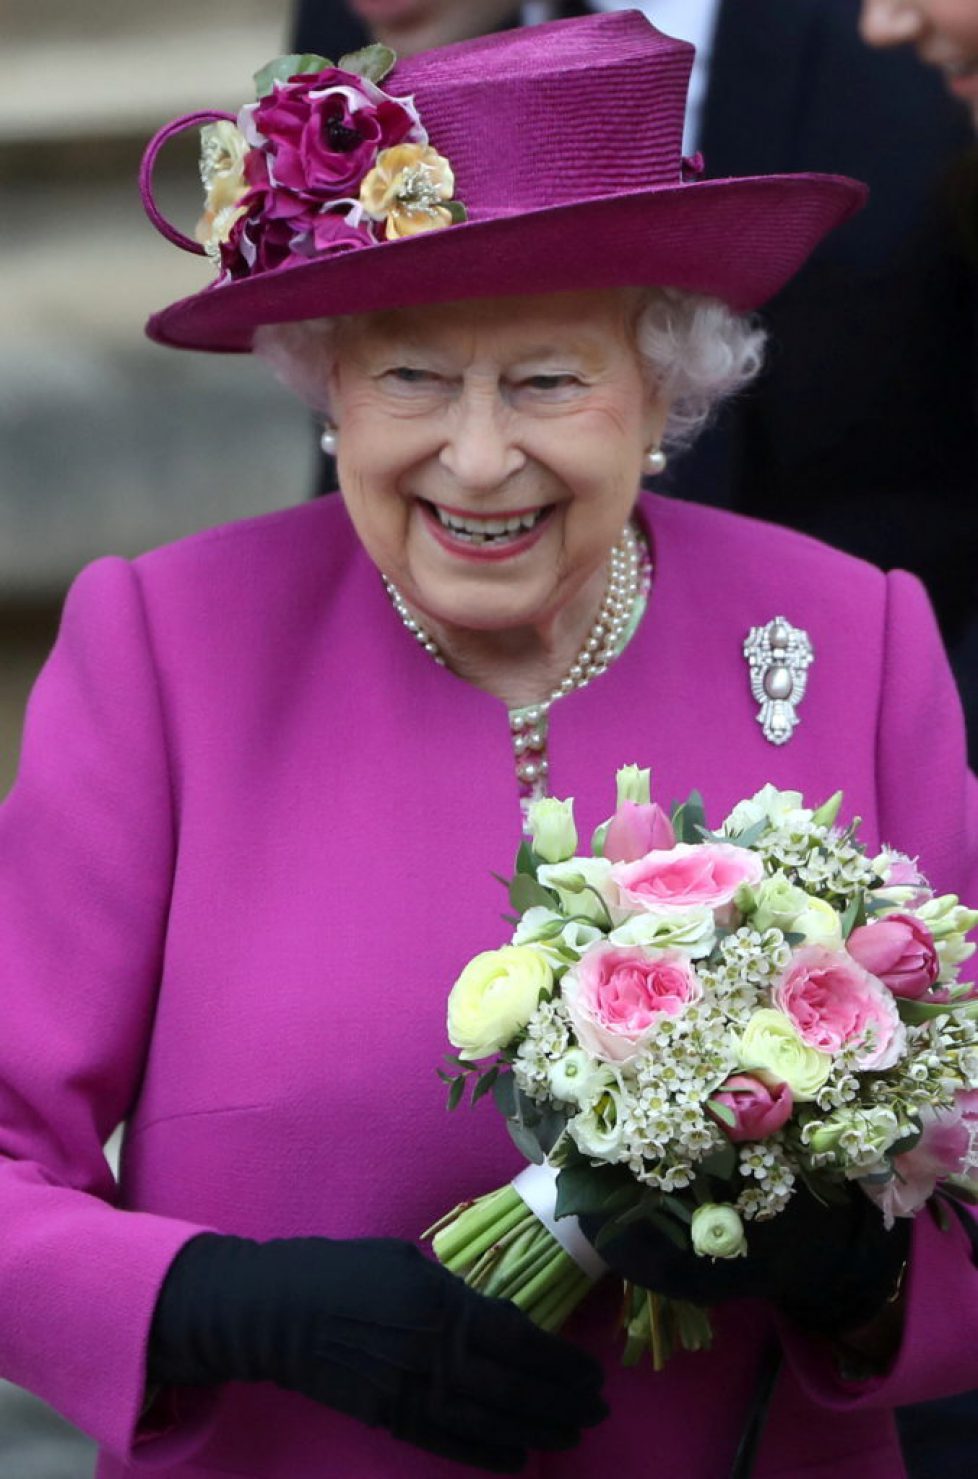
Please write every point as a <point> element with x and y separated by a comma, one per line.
<point>737,240</point>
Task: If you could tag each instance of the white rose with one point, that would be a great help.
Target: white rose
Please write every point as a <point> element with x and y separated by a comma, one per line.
<point>691,930</point>
<point>495,997</point>
<point>778,808</point>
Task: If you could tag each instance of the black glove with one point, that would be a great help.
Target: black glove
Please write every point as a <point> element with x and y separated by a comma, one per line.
<point>374,1329</point>
<point>829,1268</point>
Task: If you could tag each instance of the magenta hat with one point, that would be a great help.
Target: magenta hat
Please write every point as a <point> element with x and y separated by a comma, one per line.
<point>538,160</point>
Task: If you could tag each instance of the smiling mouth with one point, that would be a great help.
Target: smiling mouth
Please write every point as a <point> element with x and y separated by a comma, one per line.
<point>499,529</point>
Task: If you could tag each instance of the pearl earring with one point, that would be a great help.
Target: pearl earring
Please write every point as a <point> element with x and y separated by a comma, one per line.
<point>329,440</point>
<point>655,461</point>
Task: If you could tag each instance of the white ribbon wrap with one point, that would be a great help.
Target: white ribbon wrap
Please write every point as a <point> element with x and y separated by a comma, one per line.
<point>537,1185</point>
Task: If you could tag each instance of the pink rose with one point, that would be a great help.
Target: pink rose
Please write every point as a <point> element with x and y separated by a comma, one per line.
<point>835,1003</point>
<point>942,1150</point>
<point>616,996</point>
<point>899,951</point>
<point>279,230</point>
<point>322,131</point>
<point>760,1108</point>
<point>636,830</point>
<point>707,873</point>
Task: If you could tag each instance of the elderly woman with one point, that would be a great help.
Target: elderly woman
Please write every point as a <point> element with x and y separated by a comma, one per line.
<point>268,771</point>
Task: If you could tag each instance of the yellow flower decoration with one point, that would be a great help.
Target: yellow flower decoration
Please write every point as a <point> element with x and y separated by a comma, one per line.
<point>222,156</point>
<point>411,188</point>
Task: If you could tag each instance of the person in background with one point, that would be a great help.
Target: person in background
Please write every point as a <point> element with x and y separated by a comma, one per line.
<point>863,428</point>
<point>944,32</point>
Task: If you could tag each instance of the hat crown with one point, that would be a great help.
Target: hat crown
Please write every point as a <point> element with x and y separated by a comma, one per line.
<point>550,114</point>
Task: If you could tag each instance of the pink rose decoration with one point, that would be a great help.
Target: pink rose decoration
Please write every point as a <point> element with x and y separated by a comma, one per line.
<point>943,1149</point>
<point>324,130</point>
<point>708,874</point>
<point>616,996</point>
<point>280,230</point>
<point>835,1003</point>
<point>636,830</point>
<point>760,1108</point>
<point>899,951</point>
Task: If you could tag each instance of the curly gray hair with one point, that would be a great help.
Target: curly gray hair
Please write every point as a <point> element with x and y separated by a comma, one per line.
<point>695,349</point>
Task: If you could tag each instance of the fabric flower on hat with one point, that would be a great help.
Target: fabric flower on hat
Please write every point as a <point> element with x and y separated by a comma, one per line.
<point>322,132</point>
<point>409,188</point>
<point>222,173</point>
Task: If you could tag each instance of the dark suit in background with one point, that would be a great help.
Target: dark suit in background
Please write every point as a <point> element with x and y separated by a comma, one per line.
<point>863,429</point>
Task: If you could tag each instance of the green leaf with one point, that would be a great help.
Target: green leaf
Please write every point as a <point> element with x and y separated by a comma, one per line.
<point>373,62</point>
<point>504,1094</point>
<point>691,818</point>
<point>748,837</point>
<point>916,1012</point>
<point>721,1163</point>
<point>457,211</point>
<point>905,1143</point>
<point>722,1112</point>
<point>284,67</point>
<point>485,1083</point>
<point>446,1078</point>
<point>673,1231</point>
<point>526,1142</point>
<point>855,915</point>
<point>455,1092</point>
<point>677,1208</point>
<point>525,893</point>
<point>527,860</point>
<point>583,1188</point>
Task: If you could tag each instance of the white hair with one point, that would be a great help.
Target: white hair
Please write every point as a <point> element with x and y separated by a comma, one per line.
<point>695,350</point>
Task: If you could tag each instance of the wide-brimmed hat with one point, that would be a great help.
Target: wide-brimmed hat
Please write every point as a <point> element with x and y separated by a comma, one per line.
<point>539,160</point>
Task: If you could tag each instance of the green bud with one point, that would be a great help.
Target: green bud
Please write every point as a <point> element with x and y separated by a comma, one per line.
<point>552,829</point>
<point>634,785</point>
<point>826,814</point>
<point>718,1232</point>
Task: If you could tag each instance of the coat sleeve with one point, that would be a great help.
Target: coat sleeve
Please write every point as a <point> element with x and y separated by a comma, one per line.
<point>927,803</point>
<point>87,840</point>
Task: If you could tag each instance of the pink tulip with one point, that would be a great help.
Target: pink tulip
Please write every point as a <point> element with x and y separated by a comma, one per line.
<point>899,951</point>
<point>636,830</point>
<point>759,1108</point>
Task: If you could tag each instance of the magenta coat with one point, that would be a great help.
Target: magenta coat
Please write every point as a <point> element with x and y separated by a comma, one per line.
<point>249,850</point>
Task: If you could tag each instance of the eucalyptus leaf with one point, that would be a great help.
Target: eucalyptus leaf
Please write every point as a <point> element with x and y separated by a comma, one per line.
<point>485,1083</point>
<point>526,1142</point>
<point>373,62</point>
<point>455,1092</point>
<point>504,1094</point>
<point>751,834</point>
<point>284,67</point>
<point>525,893</point>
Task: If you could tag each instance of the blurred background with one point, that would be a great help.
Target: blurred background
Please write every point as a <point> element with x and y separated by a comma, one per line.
<point>110,444</point>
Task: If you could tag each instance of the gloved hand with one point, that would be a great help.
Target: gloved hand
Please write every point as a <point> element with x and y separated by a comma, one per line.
<point>374,1329</point>
<point>829,1268</point>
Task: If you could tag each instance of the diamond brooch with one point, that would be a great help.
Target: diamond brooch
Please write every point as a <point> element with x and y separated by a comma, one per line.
<point>779,656</point>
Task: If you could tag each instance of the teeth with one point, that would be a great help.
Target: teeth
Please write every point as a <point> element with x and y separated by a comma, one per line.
<point>479,530</point>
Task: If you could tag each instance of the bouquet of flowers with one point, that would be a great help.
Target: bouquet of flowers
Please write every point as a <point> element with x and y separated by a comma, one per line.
<point>688,1026</point>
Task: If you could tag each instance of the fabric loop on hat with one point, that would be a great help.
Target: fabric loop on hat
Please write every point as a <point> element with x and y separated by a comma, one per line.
<point>162,136</point>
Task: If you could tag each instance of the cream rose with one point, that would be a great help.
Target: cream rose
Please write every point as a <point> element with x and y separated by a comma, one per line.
<point>771,1042</point>
<point>717,1231</point>
<point>495,997</point>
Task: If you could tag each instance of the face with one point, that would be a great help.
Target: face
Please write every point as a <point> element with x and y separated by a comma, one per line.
<point>945,33</point>
<point>490,453</point>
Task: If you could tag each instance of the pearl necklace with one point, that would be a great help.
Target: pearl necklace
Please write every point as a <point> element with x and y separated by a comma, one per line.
<point>629,578</point>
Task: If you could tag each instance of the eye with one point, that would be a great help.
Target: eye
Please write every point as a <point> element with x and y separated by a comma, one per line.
<point>547,383</point>
<point>407,375</point>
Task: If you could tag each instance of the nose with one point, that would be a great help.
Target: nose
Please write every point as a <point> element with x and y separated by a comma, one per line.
<point>480,450</point>
<point>889,22</point>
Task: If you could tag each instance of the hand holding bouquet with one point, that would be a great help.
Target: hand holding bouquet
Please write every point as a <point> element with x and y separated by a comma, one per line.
<point>699,1033</point>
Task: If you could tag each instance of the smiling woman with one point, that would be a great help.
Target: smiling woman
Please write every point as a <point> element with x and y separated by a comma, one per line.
<point>269,773</point>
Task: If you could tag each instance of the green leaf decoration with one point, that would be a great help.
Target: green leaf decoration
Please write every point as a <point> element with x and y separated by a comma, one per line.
<point>485,1083</point>
<point>720,1163</point>
<point>751,835</point>
<point>526,1142</point>
<point>689,818</point>
<point>527,860</point>
<point>583,1188</point>
<point>525,893</point>
<point>722,1112</point>
<point>457,211</point>
<point>455,1092</point>
<point>915,1012</point>
<point>855,915</point>
<point>504,1094</point>
<point>373,62</point>
<point>284,67</point>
